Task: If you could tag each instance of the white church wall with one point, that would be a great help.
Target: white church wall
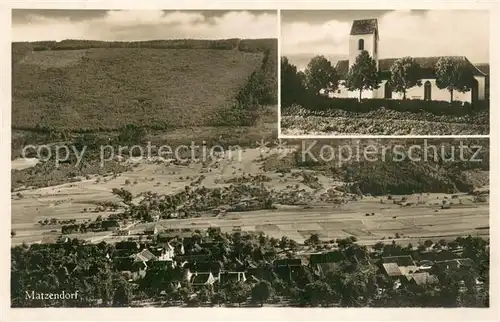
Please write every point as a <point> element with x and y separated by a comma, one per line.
<point>416,92</point>
<point>364,94</point>
<point>436,93</point>
<point>379,92</point>
<point>343,92</point>
<point>481,87</point>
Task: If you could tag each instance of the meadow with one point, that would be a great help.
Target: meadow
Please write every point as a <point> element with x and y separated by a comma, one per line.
<point>88,87</point>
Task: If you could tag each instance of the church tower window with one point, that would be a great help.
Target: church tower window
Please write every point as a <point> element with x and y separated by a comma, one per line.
<point>361,44</point>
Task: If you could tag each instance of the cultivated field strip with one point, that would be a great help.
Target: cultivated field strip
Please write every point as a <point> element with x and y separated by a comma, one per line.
<point>331,126</point>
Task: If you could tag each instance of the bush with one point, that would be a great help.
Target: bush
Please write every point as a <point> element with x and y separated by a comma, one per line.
<point>73,44</point>
<point>456,108</point>
<point>131,134</point>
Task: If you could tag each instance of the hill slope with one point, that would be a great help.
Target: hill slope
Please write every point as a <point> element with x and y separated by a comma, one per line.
<point>87,86</point>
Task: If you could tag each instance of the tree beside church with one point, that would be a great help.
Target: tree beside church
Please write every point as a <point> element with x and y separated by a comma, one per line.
<point>364,37</point>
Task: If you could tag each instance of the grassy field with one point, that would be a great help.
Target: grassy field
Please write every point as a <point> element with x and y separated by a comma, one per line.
<point>96,89</point>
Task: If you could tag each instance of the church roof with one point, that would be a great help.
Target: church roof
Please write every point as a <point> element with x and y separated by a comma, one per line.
<point>484,68</point>
<point>364,27</point>
<point>427,63</point>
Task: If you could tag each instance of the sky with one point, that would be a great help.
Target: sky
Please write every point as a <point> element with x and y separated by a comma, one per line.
<point>130,25</point>
<point>417,33</point>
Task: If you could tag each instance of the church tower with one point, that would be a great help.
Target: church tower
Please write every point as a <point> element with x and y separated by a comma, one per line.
<point>364,36</point>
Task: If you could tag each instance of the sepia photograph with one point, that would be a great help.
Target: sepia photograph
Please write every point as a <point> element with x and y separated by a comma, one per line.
<point>147,169</point>
<point>384,72</point>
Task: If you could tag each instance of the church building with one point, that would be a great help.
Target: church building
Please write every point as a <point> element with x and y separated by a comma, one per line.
<point>365,36</point>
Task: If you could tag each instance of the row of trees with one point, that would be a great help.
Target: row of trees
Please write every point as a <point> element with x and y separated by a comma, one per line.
<point>321,78</point>
<point>97,225</point>
<point>246,45</point>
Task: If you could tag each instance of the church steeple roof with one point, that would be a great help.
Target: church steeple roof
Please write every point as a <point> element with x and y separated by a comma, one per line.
<point>364,27</point>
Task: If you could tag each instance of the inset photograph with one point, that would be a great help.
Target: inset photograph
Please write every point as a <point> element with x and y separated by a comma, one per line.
<point>384,73</point>
<point>123,123</point>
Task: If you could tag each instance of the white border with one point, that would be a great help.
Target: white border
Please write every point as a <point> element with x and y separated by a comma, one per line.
<point>279,75</point>
<point>5,139</point>
<point>264,314</point>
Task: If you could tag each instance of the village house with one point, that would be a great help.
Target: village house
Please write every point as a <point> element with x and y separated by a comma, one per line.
<point>464,264</point>
<point>134,266</point>
<point>396,266</point>
<point>202,279</point>
<point>164,255</point>
<point>167,252</point>
<point>131,269</point>
<point>137,272</point>
<point>289,269</point>
<point>126,248</point>
<point>259,272</point>
<point>364,36</point>
<point>404,271</point>
<point>252,280</point>
<point>231,277</point>
<point>399,269</point>
<point>326,262</point>
<point>192,258</point>
<point>436,255</point>
<point>191,269</point>
<point>237,265</point>
<point>422,278</point>
<point>143,256</point>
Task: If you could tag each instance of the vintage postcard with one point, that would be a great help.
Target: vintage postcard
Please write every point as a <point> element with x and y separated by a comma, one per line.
<point>148,168</point>
<point>385,72</point>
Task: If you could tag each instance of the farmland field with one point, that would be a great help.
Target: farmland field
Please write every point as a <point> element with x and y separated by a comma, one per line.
<point>379,122</point>
<point>423,220</point>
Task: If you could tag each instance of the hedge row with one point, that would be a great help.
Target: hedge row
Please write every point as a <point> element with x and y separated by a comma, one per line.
<point>259,90</point>
<point>247,45</point>
<point>455,108</point>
